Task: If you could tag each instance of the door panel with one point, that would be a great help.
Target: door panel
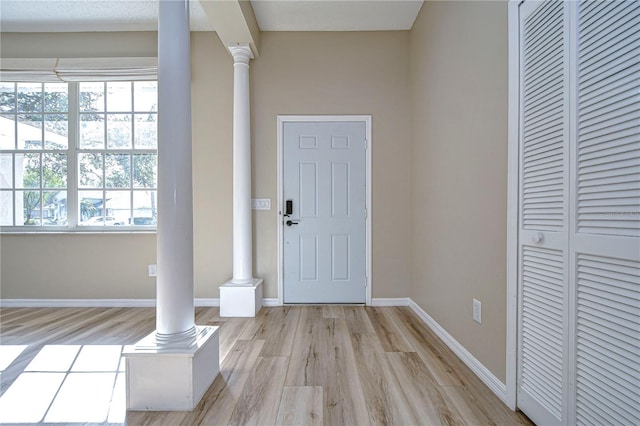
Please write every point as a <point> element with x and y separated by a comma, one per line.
<point>605,237</point>
<point>340,257</point>
<point>325,241</point>
<point>542,317</point>
<point>543,241</point>
<point>308,257</point>
<point>608,340</point>
<point>309,196</point>
<point>579,234</point>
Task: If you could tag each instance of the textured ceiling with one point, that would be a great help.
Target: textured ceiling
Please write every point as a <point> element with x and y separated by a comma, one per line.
<point>328,15</point>
<point>88,15</point>
<point>142,15</point>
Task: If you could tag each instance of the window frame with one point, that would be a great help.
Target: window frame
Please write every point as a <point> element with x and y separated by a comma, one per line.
<point>72,152</point>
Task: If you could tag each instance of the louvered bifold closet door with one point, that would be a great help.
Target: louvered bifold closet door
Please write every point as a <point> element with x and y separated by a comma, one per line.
<point>543,233</point>
<point>605,240</point>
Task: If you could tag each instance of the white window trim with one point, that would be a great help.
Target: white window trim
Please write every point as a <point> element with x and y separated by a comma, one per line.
<point>72,151</point>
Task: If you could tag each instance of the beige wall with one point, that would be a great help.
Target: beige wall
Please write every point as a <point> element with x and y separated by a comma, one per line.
<point>85,45</point>
<point>71,266</point>
<point>438,97</point>
<point>459,171</point>
<point>297,73</point>
<point>212,113</point>
<point>338,73</point>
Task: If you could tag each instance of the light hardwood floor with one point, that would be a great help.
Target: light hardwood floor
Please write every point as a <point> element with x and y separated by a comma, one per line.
<point>292,365</point>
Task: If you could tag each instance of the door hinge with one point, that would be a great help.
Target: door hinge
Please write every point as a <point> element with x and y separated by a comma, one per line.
<point>366,144</point>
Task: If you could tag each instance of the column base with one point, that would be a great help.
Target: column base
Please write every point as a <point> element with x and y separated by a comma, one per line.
<point>241,300</point>
<point>171,379</point>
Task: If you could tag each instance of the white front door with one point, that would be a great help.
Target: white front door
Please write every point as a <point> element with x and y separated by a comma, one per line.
<point>324,212</point>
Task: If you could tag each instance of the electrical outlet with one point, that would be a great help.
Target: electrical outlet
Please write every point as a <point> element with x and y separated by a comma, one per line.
<point>153,270</point>
<point>477,311</point>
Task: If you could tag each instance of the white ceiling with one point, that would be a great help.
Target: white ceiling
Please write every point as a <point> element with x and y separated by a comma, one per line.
<point>142,15</point>
<point>329,15</point>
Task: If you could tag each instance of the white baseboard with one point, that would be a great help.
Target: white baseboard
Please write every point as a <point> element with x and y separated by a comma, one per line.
<point>215,302</point>
<point>77,303</point>
<point>390,301</point>
<point>106,303</point>
<point>483,373</point>
<point>269,303</point>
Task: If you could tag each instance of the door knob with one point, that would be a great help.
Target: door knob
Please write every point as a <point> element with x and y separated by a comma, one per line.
<point>290,222</point>
<point>537,237</point>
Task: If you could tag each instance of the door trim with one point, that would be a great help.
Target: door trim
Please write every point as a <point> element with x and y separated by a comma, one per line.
<point>282,119</point>
<point>513,183</point>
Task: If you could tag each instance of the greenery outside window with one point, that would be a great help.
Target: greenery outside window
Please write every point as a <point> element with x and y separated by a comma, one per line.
<point>78,156</point>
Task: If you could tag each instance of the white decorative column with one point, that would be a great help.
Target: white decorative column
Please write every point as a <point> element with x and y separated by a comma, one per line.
<point>172,368</point>
<point>242,296</point>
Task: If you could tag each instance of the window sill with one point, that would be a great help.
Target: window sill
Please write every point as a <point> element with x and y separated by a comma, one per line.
<point>91,231</point>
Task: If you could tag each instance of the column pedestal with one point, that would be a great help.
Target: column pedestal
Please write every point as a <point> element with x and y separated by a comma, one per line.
<point>241,300</point>
<point>164,378</point>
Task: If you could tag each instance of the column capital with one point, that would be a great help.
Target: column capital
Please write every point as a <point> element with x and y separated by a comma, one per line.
<point>241,53</point>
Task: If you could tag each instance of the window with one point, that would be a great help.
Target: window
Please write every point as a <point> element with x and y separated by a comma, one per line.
<point>78,156</point>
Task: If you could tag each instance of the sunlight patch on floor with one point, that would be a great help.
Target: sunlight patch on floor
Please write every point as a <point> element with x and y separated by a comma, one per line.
<point>54,358</point>
<point>8,354</point>
<point>118,409</point>
<point>83,397</point>
<point>66,384</point>
<point>29,397</point>
<point>98,358</point>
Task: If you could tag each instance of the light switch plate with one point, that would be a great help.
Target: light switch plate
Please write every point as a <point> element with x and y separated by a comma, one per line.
<point>261,204</point>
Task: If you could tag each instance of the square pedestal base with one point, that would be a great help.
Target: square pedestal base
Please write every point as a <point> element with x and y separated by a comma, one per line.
<point>171,379</point>
<point>241,300</point>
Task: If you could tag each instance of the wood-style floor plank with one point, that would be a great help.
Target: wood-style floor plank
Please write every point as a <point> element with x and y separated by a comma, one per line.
<point>344,399</point>
<point>230,331</point>
<point>220,400</point>
<point>419,387</point>
<point>464,407</point>
<point>451,372</point>
<point>424,343</point>
<point>358,320</point>
<point>391,338</point>
<point>381,390</point>
<point>153,418</point>
<point>329,365</point>
<point>306,365</point>
<point>300,405</point>
<point>277,328</point>
<point>332,311</point>
<point>260,399</point>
